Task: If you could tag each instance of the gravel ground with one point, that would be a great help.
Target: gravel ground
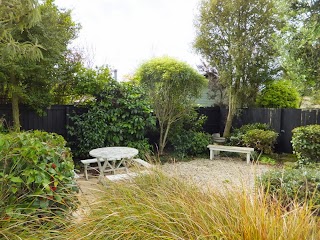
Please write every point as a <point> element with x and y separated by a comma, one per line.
<point>221,173</point>
<point>218,173</point>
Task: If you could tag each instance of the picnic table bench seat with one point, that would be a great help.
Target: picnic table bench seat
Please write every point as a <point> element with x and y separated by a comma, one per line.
<point>215,147</point>
<point>87,166</point>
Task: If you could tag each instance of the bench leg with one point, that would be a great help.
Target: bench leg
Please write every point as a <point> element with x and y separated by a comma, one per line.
<point>248,158</point>
<point>211,154</point>
<point>86,171</point>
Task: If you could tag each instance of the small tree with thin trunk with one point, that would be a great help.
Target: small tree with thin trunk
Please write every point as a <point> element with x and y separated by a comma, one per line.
<point>235,37</point>
<point>173,87</point>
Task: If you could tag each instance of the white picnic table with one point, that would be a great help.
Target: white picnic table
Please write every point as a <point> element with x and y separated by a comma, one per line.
<point>113,157</point>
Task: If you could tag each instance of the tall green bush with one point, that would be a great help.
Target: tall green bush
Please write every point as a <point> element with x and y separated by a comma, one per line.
<point>306,143</point>
<point>36,175</point>
<point>121,115</point>
<point>279,94</point>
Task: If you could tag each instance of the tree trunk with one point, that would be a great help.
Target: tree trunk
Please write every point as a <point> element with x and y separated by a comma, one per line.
<point>227,128</point>
<point>161,147</point>
<point>231,113</point>
<point>15,104</point>
<point>164,130</point>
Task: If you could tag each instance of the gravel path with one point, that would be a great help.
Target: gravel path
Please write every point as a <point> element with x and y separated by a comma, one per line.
<point>219,173</point>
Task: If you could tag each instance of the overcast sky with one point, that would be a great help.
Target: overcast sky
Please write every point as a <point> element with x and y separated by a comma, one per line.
<point>124,33</point>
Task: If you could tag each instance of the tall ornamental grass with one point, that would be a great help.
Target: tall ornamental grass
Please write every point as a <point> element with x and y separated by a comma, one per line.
<point>30,227</point>
<point>155,206</point>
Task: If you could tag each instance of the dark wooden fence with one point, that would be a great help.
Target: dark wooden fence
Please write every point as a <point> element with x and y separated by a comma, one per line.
<point>56,119</point>
<point>283,121</point>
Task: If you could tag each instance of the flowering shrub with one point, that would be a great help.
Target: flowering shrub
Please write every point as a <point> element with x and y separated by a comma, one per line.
<point>36,175</point>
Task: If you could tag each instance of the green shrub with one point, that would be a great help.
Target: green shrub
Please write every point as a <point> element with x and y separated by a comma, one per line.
<point>306,143</point>
<point>187,137</point>
<point>36,175</point>
<point>256,135</point>
<point>279,94</point>
<point>190,143</point>
<point>260,140</point>
<point>293,185</point>
<point>120,116</point>
<point>236,138</point>
<point>267,160</point>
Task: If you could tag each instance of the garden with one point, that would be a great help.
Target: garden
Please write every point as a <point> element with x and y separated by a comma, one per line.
<point>43,194</point>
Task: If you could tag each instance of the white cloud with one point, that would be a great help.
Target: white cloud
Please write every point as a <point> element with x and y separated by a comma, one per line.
<point>124,33</point>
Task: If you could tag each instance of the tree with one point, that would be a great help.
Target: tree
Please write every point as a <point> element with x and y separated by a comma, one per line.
<point>172,86</point>
<point>77,84</point>
<point>235,38</point>
<point>16,17</point>
<point>300,45</point>
<point>279,94</point>
<point>32,47</point>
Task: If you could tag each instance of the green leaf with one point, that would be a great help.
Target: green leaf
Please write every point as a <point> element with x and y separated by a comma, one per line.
<point>14,189</point>
<point>44,203</point>
<point>16,179</point>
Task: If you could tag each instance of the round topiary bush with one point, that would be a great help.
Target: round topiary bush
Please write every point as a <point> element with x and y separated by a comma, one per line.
<point>279,94</point>
<point>306,143</point>
<point>261,140</point>
<point>36,175</point>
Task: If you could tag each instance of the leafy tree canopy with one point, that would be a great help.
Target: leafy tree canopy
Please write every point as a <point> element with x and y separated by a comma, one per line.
<point>300,45</point>
<point>172,86</point>
<point>32,46</point>
<point>77,84</point>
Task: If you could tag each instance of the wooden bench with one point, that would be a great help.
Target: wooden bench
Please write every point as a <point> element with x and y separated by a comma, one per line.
<point>246,150</point>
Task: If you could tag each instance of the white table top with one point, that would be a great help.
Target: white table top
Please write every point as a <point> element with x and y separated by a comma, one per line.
<point>114,153</point>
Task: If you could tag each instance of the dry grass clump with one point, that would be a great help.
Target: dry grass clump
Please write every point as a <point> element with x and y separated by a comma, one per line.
<point>156,206</point>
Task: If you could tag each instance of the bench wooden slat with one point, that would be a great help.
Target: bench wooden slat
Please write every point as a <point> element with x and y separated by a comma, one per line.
<point>246,150</point>
<point>92,160</point>
<point>233,148</point>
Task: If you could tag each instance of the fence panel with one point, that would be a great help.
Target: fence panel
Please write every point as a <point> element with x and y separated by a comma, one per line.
<point>290,119</point>
<point>270,116</point>
<point>54,119</point>
<point>213,123</point>
<point>283,121</point>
